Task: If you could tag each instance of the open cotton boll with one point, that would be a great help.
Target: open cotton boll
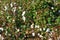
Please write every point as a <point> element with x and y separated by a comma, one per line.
<point>48,24</point>
<point>36,26</point>
<point>13,20</point>
<point>44,28</point>
<point>40,29</point>
<point>52,7</point>
<point>24,18</point>
<point>8,17</point>
<point>48,30</point>
<point>6,33</point>
<point>50,39</point>
<point>18,30</point>
<point>1,29</point>
<point>11,4</point>
<point>19,7</point>
<point>1,37</point>
<point>33,34</point>
<point>23,13</point>
<point>5,8</point>
<point>1,12</point>
<point>14,3</point>
<point>14,9</point>
<point>32,25</point>
<point>58,38</point>
<point>40,35</point>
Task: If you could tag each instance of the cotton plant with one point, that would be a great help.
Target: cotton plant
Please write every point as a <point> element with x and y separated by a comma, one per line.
<point>38,17</point>
<point>23,17</point>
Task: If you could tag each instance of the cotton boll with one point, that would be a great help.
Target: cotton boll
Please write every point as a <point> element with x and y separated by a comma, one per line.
<point>19,7</point>
<point>18,30</point>
<point>13,20</point>
<point>48,30</point>
<point>40,35</point>
<point>14,9</point>
<point>50,39</point>
<point>14,3</point>
<point>36,12</point>
<point>8,17</point>
<point>1,12</point>
<point>44,29</point>
<point>5,8</point>
<point>50,34</point>
<point>52,7</point>
<point>6,33</point>
<point>33,34</point>
<point>32,25</point>
<point>58,38</point>
<point>9,34</point>
<point>11,4</point>
<point>3,24</point>
<point>24,18</point>
<point>40,29</point>
<point>1,37</point>
<point>36,26</point>
<point>23,13</point>
<point>48,24</point>
<point>1,29</point>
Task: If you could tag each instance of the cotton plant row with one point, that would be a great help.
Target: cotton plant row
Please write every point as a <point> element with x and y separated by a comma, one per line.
<point>21,18</point>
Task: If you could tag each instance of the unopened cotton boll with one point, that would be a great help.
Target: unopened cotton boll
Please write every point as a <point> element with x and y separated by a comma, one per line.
<point>23,13</point>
